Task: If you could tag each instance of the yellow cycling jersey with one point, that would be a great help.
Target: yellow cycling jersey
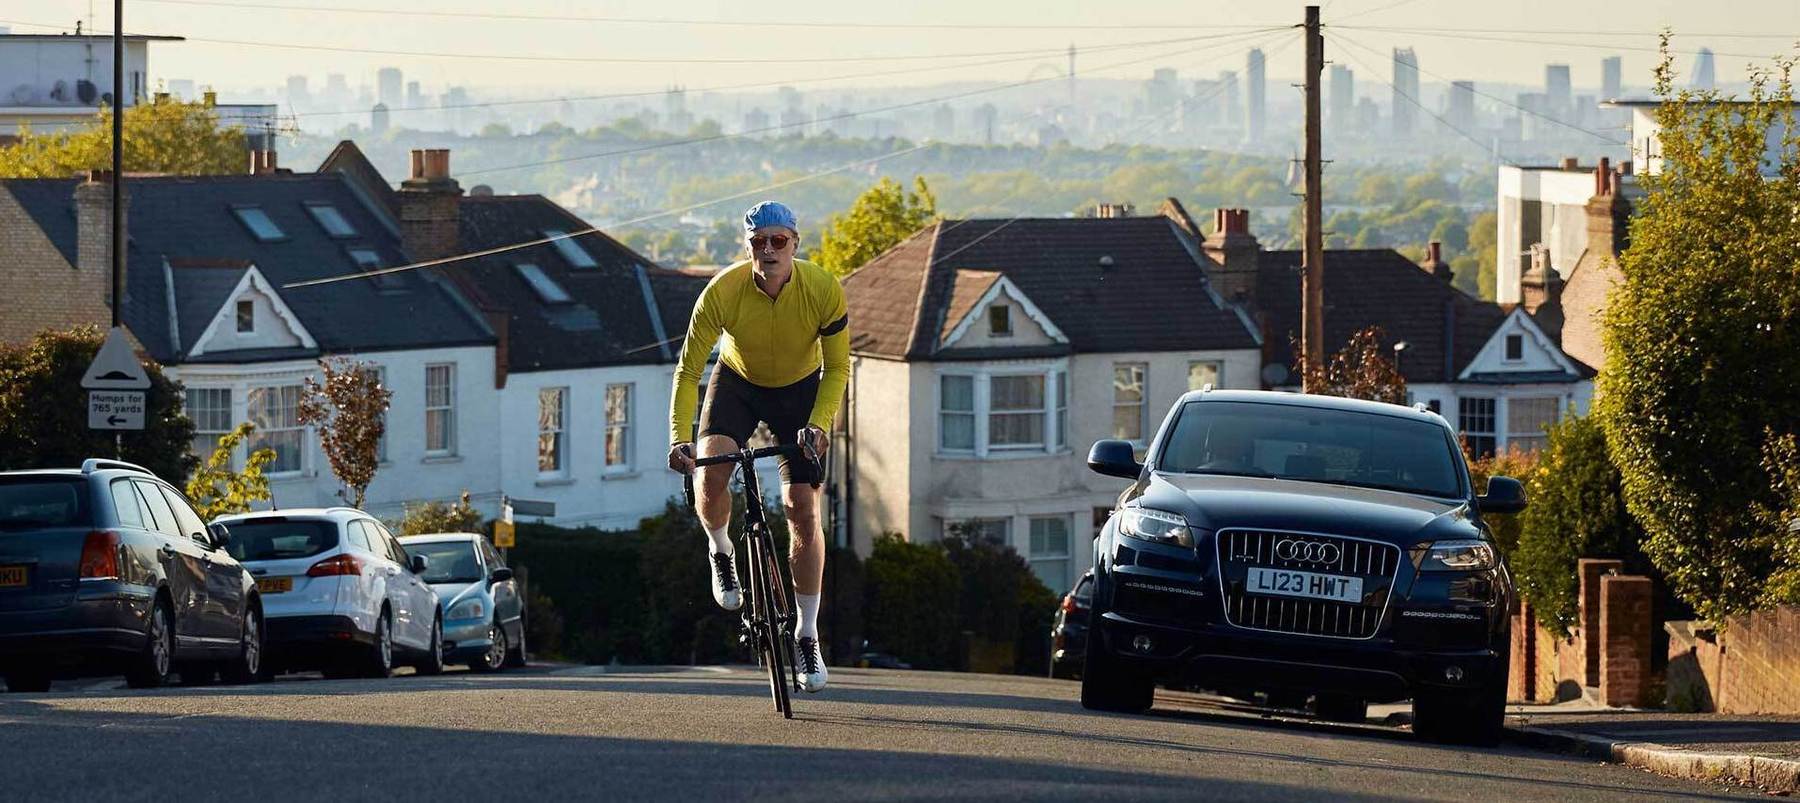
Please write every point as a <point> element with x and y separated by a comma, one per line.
<point>772,342</point>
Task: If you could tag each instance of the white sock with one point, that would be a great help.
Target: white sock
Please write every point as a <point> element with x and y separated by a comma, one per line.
<point>809,616</point>
<point>721,539</point>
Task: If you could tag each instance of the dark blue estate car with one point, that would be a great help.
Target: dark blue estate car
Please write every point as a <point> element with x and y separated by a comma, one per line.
<point>108,569</point>
<point>1303,546</point>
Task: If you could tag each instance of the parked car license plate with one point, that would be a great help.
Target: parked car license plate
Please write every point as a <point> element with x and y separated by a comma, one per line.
<point>13,577</point>
<point>1289,583</point>
<point>274,585</point>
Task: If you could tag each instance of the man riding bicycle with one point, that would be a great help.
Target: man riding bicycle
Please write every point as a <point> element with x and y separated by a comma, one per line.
<point>782,318</point>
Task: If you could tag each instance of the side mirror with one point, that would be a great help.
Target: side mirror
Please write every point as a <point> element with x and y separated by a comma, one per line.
<point>419,563</point>
<point>500,575</point>
<point>1114,459</point>
<point>1504,495</point>
<point>221,537</point>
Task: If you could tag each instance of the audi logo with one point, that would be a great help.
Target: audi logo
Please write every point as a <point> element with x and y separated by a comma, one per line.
<point>1295,549</point>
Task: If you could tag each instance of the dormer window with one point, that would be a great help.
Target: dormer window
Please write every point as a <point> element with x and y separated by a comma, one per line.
<point>576,256</point>
<point>546,288</point>
<point>246,317</point>
<point>258,222</point>
<point>1000,321</point>
<point>331,220</point>
<point>1515,348</point>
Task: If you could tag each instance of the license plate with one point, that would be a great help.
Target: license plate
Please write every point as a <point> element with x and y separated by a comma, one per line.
<point>13,577</point>
<point>274,585</point>
<point>1289,583</point>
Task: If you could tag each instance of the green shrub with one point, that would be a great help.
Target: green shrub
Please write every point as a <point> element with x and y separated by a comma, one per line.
<point>1001,600</point>
<point>1577,511</point>
<point>1517,464</point>
<point>911,609</point>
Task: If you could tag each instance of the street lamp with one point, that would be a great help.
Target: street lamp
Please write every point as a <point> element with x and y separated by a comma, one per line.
<point>1399,348</point>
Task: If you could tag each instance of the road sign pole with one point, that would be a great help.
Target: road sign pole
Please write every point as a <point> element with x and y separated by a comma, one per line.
<point>118,162</point>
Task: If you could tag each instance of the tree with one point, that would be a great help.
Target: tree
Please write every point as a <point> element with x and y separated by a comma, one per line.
<point>912,608</point>
<point>879,218</point>
<point>1577,511</point>
<point>167,137</point>
<point>440,517</point>
<point>43,410</point>
<point>1513,462</point>
<point>1361,370</point>
<point>1702,336</point>
<point>216,490</point>
<point>349,409</point>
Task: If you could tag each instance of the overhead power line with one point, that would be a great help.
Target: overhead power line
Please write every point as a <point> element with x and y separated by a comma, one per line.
<point>1541,43</point>
<point>696,22</point>
<point>1789,36</point>
<point>1611,140</point>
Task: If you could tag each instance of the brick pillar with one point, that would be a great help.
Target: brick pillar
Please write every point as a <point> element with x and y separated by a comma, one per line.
<point>1521,680</point>
<point>1589,628</point>
<point>1625,640</point>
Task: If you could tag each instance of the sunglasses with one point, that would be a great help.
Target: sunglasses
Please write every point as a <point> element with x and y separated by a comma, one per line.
<point>778,241</point>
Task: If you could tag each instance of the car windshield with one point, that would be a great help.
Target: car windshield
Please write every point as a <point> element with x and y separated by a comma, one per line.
<point>280,539</point>
<point>1286,441</point>
<point>33,502</point>
<point>451,561</point>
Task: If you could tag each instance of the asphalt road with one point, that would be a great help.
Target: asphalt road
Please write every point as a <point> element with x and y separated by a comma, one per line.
<point>549,733</point>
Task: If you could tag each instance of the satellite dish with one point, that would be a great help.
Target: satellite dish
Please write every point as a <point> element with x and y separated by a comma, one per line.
<point>481,191</point>
<point>85,90</point>
<point>59,92</point>
<point>1274,374</point>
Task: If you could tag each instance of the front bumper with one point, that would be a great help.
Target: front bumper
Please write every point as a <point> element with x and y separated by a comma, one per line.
<point>466,640</point>
<point>1222,656</point>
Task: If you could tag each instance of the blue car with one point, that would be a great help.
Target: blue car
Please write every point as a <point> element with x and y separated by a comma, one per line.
<point>483,614</point>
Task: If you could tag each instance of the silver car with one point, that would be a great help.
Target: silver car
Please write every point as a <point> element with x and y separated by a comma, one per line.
<point>483,614</point>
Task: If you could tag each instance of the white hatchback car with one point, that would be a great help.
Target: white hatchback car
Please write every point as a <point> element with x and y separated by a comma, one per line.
<point>339,593</point>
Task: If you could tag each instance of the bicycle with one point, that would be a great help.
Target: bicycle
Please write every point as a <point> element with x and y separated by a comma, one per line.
<point>768,621</point>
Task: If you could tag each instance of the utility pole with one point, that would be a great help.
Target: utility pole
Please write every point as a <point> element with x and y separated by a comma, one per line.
<point>1312,282</point>
<point>118,162</point>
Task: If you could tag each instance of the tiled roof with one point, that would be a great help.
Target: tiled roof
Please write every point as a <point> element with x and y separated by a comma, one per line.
<point>185,219</point>
<point>609,320</point>
<point>1152,296</point>
<point>200,290</point>
<point>1443,327</point>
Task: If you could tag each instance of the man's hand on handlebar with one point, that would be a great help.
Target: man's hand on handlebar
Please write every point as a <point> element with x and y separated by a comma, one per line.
<point>814,437</point>
<point>681,458</point>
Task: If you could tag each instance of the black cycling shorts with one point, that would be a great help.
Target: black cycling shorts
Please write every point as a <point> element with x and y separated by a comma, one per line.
<point>734,405</point>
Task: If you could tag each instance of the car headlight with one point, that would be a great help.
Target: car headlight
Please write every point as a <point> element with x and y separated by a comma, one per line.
<point>1159,526</point>
<point>467,609</point>
<point>1458,556</point>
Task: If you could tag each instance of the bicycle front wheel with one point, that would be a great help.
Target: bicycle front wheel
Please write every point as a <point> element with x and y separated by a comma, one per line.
<point>765,603</point>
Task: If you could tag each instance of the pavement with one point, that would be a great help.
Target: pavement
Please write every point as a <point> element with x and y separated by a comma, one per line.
<point>629,733</point>
<point>1753,750</point>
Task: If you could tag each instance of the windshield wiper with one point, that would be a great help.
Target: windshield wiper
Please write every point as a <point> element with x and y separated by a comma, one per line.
<point>1219,473</point>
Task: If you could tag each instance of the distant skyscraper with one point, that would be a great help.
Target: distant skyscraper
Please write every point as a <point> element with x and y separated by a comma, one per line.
<point>297,93</point>
<point>1610,87</point>
<point>1406,91</point>
<point>1703,70</point>
<point>986,116</point>
<point>1229,103</point>
<point>378,119</point>
<point>1462,106</point>
<point>1254,97</point>
<point>414,97</point>
<point>1558,92</point>
<point>388,87</point>
<point>1342,111</point>
<point>1161,92</point>
<point>337,94</point>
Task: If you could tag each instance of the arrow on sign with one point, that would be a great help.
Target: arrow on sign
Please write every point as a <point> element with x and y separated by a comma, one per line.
<point>116,420</point>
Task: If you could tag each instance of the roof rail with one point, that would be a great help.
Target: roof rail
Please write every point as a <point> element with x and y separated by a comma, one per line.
<point>93,464</point>
<point>1422,407</point>
<point>345,508</point>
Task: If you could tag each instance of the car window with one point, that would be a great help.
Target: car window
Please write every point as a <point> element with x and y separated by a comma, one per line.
<point>395,550</point>
<point>493,558</point>
<point>1085,588</point>
<point>1314,444</point>
<point>281,539</point>
<point>125,502</point>
<point>28,502</point>
<point>159,508</point>
<point>358,538</point>
<point>185,518</point>
<point>451,561</point>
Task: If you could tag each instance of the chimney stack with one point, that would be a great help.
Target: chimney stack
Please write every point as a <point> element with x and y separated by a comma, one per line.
<point>93,237</point>
<point>1571,163</point>
<point>1608,213</point>
<point>430,207</point>
<point>1235,254</point>
<point>1434,263</point>
<point>1541,284</point>
<point>262,162</point>
<point>1112,210</point>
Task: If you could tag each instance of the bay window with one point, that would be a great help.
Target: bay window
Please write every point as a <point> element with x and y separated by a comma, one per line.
<point>1003,409</point>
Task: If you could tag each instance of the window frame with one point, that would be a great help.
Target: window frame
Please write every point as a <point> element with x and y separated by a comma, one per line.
<point>246,316</point>
<point>1491,434</point>
<point>542,285</point>
<point>326,214</point>
<point>1142,403</point>
<point>386,282</point>
<point>1043,411</point>
<point>974,435</point>
<point>1539,438</point>
<point>623,428</point>
<point>577,257</point>
<point>195,412</point>
<point>263,434</point>
<point>999,320</point>
<point>559,434</point>
<point>1033,558</point>
<point>447,408</point>
<point>1218,372</point>
<point>252,216</point>
<point>1513,347</point>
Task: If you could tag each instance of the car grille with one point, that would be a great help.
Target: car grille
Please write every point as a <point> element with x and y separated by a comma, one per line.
<point>1374,562</point>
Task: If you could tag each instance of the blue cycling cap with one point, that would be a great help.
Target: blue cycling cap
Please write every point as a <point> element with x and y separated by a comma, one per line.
<point>770,213</point>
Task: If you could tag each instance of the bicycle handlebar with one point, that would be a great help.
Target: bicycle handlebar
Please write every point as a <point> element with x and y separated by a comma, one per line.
<point>802,450</point>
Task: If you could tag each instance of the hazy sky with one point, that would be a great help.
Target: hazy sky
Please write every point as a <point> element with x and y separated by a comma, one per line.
<point>1589,30</point>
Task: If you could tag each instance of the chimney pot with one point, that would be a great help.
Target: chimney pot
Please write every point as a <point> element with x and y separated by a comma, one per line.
<point>418,164</point>
<point>1571,163</point>
<point>1435,249</point>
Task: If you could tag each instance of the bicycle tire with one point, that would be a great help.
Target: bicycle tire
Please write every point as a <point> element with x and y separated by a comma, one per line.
<point>768,636</point>
<point>784,619</point>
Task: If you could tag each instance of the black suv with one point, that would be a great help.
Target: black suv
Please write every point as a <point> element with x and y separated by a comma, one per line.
<point>1302,546</point>
<point>108,569</point>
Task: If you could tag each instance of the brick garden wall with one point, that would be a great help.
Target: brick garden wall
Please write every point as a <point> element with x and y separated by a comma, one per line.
<point>1751,666</point>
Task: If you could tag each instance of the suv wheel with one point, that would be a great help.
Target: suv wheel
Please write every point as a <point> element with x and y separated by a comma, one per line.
<point>1341,708</point>
<point>1109,684</point>
<point>150,668</point>
<point>1471,716</point>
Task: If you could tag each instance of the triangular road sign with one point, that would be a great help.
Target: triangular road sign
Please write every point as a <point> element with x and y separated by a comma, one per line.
<point>116,367</point>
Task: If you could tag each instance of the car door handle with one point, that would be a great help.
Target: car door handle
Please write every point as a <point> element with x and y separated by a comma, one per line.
<point>168,549</point>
